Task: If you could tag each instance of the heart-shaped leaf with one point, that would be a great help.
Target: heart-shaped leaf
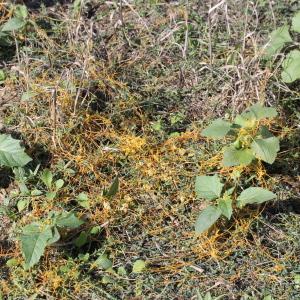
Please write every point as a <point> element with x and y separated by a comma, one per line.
<point>207,218</point>
<point>47,178</point>
<point>236,157</point>
<point>13,24</point>
<point>208,187</point>
<point>34,239</point>
<point>217,129</point>
<point>68,220</point>
<point>278,38</point>
<point>225,205</point>
<point>266,149</point>
<point>291,67</point>
<point>11,153</point>
<point>254,195</point>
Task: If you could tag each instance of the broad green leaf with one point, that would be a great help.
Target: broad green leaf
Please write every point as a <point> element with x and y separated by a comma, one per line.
<point>254,113</point>
<point>278,38</point>
<point>225,205</point>
<point>83,200</point>
<point>236,157</point>
<point>139,266</point>
<point>207,218</point>
<point>81,240</point>
<point>291,67</point>
<point>261,112</point>
<point>13,24</point>
<point>12,263</point>
<point>28,95</point>
<point>11,153</point>
<point>59,184</point>
<point>245,120</point>
<point>296,22</point>
<point>22,204</point>
<point>34,239</point>
<point>55,236</point>
<point>208,187</point>
<point>36,192</point>
<point>23,189</point>
<point>217,129</point>
<point>103,262</point>
<point>265,133</point>
<point>114,188</point>
<point>95,230</point>
<point>50,195</point>
<point>21,12</point>
<point>254,195</point>
<point>47,178</point>
<point>266,149</point>
<point>122,271</point>
<point>68,220</point>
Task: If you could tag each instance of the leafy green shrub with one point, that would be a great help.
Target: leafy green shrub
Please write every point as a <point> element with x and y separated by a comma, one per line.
<point>251,140</point>
<point>35,237</point>
<point>210,188</point>
<point>280,38</point>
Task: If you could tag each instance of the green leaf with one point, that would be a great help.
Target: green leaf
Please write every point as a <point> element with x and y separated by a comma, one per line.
<point>34,240</point>
<point>51,195</point>
<point>68,220</point>
<point>296,22</point>
<point>2,75</point>
<point>47,178</point>
<point>103,262</point>
<point>122,271</point>
<point>55,236</point>
<point>266,149</point>
<point>22,204</point>
<point>12,263</point>
<point>208,187</point>
<point>36,192</point>
<point>208,296</point>
<point>225,205</point>
<point>59,184</point>
<point>95,230</point>
<point>261,112</point>
<point>254,195</point>
<point>245,120</point>
<point>21,12</point>
<point>83,200</point>
<point>114,188</point>
<point>254,113</point>
<point>265,133</point>
<point>26,96</point>
<point>217,129</point>
<point>139,266</point>
<point>278,38</point>
<point>13,24</point>
<point>11,153</point>
<point>81,240</point>
<point>207,218</point>
<point>236,157</point>
<point>291,67</point>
